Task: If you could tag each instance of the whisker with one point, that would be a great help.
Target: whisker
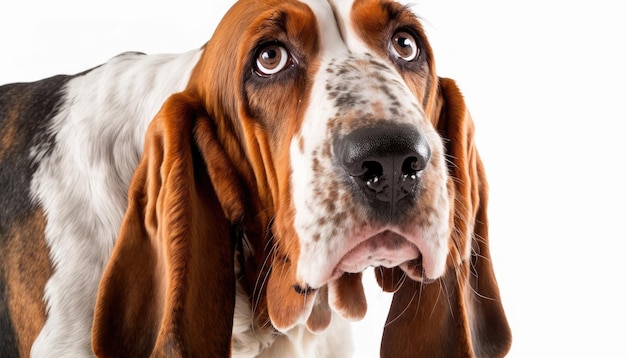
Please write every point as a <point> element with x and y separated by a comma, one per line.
<point>389,322</point>
<point>444,288</point>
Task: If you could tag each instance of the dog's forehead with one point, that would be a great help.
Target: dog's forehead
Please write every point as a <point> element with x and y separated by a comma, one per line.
<point>334,21</point>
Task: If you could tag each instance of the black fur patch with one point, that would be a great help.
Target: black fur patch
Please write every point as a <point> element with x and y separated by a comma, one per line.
<point>25,113</point>
<point>8,341</point>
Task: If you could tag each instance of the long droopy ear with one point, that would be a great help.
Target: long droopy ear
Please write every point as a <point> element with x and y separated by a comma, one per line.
<point>459,315</point>
<point>168,289</point>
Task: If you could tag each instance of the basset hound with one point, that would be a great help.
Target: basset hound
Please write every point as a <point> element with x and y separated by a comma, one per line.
<point>225,201</point>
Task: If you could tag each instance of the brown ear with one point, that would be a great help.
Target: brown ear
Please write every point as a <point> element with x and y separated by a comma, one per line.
<point>459,315</point>
<point>169,287</point>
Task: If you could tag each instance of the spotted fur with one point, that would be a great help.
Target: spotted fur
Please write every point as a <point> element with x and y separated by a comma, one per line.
<point>357,88</point>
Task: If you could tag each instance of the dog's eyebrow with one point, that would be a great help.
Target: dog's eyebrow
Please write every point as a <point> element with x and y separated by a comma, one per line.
<point>275,22</point>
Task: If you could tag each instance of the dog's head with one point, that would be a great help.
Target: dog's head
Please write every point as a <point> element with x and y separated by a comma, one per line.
<point>332,103</point>
<point>321,129</point>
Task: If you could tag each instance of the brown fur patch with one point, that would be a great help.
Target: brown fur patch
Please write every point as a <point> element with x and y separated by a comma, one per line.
<point>257,116</point>
<point>27,268</point>
<point>349,296</point>
<point>286,307</point>
<point>9,132</point>
<point>7,141</point>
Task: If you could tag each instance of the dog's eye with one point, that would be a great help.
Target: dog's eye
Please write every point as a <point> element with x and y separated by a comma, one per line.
<point>271,59</point>
<point>404,46</point>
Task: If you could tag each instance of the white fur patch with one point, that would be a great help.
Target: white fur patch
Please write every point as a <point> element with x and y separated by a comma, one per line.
<point>82,184</point>
<point>299,342</point>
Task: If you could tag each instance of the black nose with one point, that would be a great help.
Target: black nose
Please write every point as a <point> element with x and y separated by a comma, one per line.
<point>386,162</point>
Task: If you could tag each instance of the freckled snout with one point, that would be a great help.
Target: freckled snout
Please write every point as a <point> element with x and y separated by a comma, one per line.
<point>386,163</point>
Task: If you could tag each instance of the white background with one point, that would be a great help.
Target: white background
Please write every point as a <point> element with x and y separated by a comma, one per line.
<point>546,84</point>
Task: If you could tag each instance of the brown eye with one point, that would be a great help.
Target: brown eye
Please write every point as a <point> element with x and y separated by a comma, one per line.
<point>272,59</point>
<point>404,46</point>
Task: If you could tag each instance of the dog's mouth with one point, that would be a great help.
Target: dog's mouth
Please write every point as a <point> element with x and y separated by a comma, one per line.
<point>387,249</point>
<point>333,283</point>
<point>341,288</point>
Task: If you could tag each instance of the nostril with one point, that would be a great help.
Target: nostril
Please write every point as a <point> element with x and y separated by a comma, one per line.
<point>412,166</point>
<point>373,171</point>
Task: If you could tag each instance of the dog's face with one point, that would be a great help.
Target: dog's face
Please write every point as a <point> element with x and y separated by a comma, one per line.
<point>334,100</point>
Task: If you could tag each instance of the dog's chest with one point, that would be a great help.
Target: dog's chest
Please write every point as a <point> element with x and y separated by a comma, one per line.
<point>249,340</point>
